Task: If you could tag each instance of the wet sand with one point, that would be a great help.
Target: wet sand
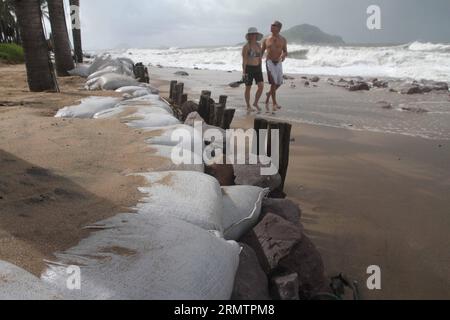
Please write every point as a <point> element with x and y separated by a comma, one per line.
<point>367,198</point>
<point>58,176</point>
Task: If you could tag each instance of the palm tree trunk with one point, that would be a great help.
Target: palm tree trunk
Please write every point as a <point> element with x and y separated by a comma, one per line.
<point>76,31</point>
<point>61,42</point>
<point>37,60</point>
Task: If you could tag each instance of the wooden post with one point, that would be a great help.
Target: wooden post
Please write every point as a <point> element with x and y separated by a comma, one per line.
<point>206,93</point>
<point>179,93</point>
<point>285,144</point>
<point>259,124</point>
<point>212,112</point>
<point>203,107</point>
<point>228,118</point>
<point>184,98</point>
<point>172,88</point>
<point>218,114</point>
<point>223,101</point>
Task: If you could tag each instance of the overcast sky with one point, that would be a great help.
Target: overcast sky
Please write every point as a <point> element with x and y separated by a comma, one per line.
<point>108,24</point>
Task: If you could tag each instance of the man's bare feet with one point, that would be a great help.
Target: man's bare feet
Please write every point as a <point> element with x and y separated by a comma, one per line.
<point>277,107</point>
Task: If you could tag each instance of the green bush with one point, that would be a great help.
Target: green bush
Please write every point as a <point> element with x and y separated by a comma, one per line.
<point>11,53</point>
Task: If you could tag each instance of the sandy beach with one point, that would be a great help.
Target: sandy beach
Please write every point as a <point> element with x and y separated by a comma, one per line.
<point>368,198</point>
<point>60,175</point>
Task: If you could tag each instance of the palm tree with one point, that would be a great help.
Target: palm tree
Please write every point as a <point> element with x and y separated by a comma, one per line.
<point>9,30</point>
<point>76,32</point>
<point>61,42</point>
<point>37,60</point>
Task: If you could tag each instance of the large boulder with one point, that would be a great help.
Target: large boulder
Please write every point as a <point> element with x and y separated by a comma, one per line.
<point>224,173</point>
<point>251,282</point>
<point>412,89</point>
<point>250,175</point>
<point>359,86</point>
<point>305,260</point>
<point>277,237</point>
<point>282,207</point>
<point>187,108</point>
<point>286,287</point>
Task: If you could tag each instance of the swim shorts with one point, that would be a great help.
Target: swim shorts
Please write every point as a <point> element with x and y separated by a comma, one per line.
<point>275,72</point>
<point>254,73</point>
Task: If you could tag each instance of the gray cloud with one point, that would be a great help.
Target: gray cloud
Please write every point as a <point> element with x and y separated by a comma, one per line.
<point>151,23</point>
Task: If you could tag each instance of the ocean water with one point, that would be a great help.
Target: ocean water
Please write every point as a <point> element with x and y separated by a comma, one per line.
<point>410,61</point>
<point>328,106</point>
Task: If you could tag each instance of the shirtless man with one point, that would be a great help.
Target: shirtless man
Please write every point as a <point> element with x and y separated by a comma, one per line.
<point>276,47</point>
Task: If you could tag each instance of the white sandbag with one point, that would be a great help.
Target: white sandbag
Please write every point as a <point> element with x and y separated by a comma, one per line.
<point>180,135</point>
<point>112,81</point>
<point>87,108</point>
<point>118,109</point>
<point>81,70</point>
<point>99,62</point>
<point>195,162</point>
<point>140,93</point>
<point>103,71</point>
<point>18,284</point>
<point>151,120</point>
<point>129,89</point>
<point>150,257</point>
<point>189,196</point>
<point>241,209</point>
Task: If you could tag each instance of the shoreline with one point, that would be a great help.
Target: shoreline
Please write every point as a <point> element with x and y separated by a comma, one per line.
<point>367,199</point>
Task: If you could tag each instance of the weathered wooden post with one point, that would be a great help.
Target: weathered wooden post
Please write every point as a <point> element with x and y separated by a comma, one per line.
<point>179,88</point>
<point>203,105</point>
<point>228,118</point>
<point>284,146</point>
<point>184,98</point>
<point>173,83</point>
<point>223,101</point>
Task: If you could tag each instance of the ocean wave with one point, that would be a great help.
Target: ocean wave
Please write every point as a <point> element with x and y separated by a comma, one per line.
<point>415,60</point>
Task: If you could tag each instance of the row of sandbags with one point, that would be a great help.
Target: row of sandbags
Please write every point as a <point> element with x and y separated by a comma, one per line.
<point>108,73</point>
<point>178,243</point>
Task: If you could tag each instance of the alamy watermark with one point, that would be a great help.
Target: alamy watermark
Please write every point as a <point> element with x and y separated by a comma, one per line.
<point>374,17</point>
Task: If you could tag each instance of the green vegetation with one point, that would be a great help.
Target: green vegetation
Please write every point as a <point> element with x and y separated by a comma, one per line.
<point>11,53</point>
<point>309,34</point>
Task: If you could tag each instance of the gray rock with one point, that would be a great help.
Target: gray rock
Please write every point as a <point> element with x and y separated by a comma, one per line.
<point>360,86</point>
<point>384,104</point>
<point>278,237</point>
<point>286,77</point>
<point>314,79</point>
<point>415,109</point>
<point>412,89</point>
<point>440,86</point>
<point>187,108</point>
<point>286,287</point>
<point>380,84</point>
<point>252,241</point>
<point>251,282</point>
<point>284,208</point>
<point>236,84</point>
<point>250,175</point>
<point>182,73</point>
<point>306,261</point>
<point>192,118</point>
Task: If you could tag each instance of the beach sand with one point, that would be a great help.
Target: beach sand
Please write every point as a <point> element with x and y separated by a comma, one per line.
<point>367,198</point>
<point>58,176</point>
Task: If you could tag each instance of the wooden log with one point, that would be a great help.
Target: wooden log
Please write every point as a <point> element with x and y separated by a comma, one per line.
<point>206,93</point>
<point>211,113</point>
<point>218,114</point>
<point>184,98</point>
<point>223,101</point>
<point>259,124</point>
<point>179,93</point>
<point>228,118</point>
<point>172,88</point>
<point>285,144</point>
<point>203,107</point>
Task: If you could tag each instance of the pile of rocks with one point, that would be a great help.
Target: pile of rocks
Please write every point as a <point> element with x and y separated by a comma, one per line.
<point>278,261</point>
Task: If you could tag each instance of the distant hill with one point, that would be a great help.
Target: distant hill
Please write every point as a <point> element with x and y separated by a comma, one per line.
<point>309,34</point>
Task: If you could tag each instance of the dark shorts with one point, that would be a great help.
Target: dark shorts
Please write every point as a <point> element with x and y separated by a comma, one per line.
<point>254,73</point>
